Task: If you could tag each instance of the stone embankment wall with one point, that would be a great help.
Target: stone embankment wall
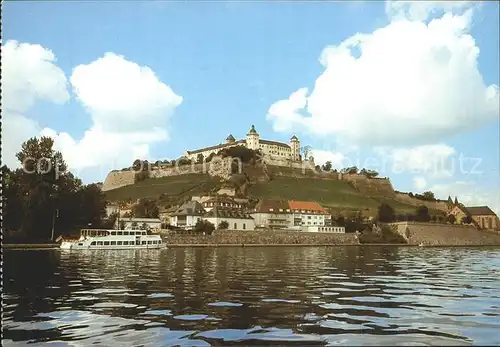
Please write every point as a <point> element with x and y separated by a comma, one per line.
<point>430,234</point>
<point>228,237</point>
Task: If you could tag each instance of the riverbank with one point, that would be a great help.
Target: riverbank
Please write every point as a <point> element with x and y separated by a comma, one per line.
<point>30,245</point>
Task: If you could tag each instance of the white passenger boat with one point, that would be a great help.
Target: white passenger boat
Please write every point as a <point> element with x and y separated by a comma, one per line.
<point>114,239</point>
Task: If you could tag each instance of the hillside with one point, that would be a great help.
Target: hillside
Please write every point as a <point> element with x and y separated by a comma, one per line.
<point>271,182</point>
<point>338,195</point>
<point>175,187</point>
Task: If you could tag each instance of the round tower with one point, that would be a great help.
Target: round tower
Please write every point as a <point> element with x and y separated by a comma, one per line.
<point>253,139</point>
<point>295,147</point>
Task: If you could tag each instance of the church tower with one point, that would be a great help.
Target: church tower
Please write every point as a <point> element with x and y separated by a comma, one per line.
<point>253,139</point>
<point>295,147</point>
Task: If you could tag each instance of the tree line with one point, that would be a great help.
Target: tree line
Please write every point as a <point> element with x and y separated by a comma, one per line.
<point>41,199</point>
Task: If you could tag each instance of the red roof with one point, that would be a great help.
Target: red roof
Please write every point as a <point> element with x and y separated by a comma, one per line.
<point>307,206</point>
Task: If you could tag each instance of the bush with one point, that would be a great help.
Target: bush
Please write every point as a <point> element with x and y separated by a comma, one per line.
<point>203,226</point>
<point>223,225</point>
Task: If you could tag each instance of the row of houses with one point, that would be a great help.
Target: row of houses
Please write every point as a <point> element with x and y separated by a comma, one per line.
<point>267,214</point>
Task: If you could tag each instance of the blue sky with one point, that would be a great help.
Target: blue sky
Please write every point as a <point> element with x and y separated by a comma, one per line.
<point>231,61</point>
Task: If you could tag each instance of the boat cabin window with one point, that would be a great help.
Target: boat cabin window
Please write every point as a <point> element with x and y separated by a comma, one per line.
<point>119,243</point>
<point>99,243</point>
<point>106,243</point>
<point>92,243</point>
<point>113,233</point>
<point>159,241</point>
<point>113,243</point>
<point>125,233</point>
<point>144,242</point>
<point>119,233</point>
<point>149,242</point>
<point>138,232</point>
<point>80,244</point>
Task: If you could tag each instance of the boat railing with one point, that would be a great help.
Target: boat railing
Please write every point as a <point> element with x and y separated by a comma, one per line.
<point>94,232</point>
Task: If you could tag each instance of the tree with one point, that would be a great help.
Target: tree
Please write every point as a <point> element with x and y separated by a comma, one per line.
<point>340,221</point>
<point>122,225</point>
<point>422,214</point>
<point>144,226</point>
<point>204,226</point>
<point>327,166</point>
<point>134,225</point>
<point>145,208</point>
<point>223,225</point>
<point>137,165</point>
<point>428,196</point>
<point>386,213</point>
<point>451,219</point>
<point>306,152</point>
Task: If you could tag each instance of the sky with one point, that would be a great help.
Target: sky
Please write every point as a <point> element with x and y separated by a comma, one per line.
<point>407,89</point>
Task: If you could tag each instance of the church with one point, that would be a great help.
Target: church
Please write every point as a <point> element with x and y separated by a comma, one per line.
<point>273,150</point>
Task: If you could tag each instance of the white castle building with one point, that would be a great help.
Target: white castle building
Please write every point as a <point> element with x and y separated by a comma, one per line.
<point>272,150</point>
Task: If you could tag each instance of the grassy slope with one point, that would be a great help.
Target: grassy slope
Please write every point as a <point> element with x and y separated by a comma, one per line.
<point>338,195</point>
<point>332,193</point>
<point>174,186</point>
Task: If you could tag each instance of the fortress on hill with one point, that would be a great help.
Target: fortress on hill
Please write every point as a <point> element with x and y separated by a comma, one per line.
<point>274,152</point>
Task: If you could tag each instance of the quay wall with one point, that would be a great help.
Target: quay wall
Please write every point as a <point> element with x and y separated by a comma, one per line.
<point>228,237</point>
<point>430,234</point>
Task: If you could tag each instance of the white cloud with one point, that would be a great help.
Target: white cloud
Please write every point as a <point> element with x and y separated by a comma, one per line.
<point>419,183</point>
<point>412,83</point>
<point>29,73</point>
<point>434,161</point>
<point>422,10</point>
<point>336,158</point>
<point>129,107</point>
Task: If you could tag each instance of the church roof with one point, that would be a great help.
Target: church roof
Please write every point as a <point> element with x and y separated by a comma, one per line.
<point>480,211</point>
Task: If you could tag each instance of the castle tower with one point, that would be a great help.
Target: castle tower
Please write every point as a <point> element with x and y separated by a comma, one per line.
<point>295,146</point>
<point>253,139</point>
<point>230,139</point>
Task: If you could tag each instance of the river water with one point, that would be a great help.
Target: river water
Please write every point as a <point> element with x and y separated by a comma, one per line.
<point>304,296</point>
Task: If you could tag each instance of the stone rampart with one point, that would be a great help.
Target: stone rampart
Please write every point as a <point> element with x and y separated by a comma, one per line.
<point>117,179</point>
<point>436,205</point>
<point>225,237</point>
<point>431,234</point>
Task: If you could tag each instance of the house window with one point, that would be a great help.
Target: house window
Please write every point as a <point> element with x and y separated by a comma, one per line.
<point>235,226</point>
<point>244,226</point>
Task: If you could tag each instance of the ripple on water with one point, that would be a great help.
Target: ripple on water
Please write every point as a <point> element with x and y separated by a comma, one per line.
<point>225,304</point>
<point>202,297</point>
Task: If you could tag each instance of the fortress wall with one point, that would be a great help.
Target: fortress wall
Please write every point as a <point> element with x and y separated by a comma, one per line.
<point>370,186</point>
<point>436,205</point>
<point>431,234</point>
<point>117,179</point>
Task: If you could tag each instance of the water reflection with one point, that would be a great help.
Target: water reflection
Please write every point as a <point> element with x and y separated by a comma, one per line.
<point>303,296</point>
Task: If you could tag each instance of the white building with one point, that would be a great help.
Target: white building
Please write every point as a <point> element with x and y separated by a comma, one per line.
<point>224,202</point>
<point>271,149</point>
<point>308,213</point>
<point>187,215</point>
<point>138,223</point>
<point>111,208</point>
<point>235,219</point>
<point>273,214</point>
<point>323,229</point>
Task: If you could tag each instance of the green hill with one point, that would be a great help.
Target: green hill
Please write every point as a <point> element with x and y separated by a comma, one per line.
<point>338,195</point>
<point>174,187</point>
